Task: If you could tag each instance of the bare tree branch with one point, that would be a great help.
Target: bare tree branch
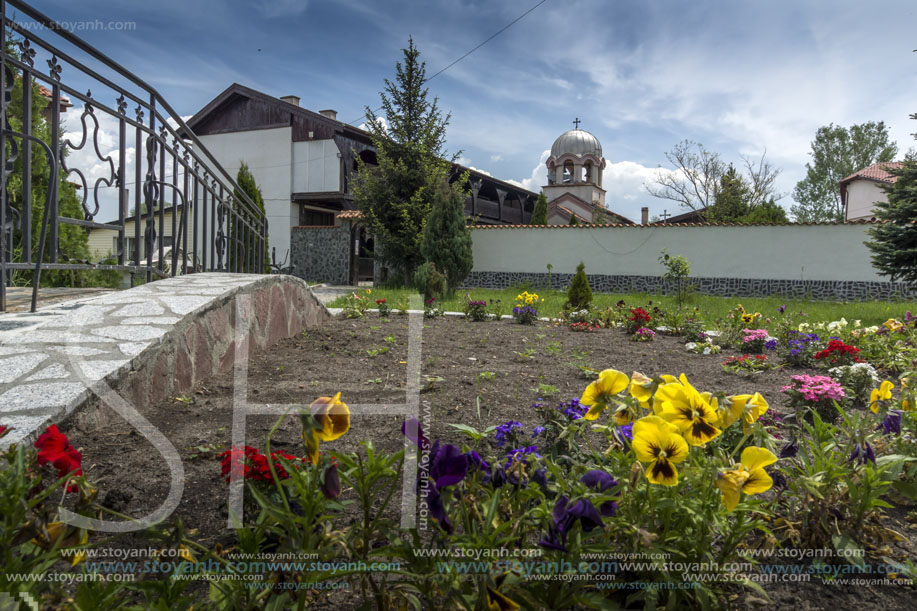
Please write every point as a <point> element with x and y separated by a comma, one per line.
<point>695,180</point>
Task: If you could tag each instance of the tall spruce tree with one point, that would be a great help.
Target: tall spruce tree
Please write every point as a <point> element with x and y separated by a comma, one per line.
<point>446,237</point>
<point>247,184</point>
<point>540,213</point>
<point>894,242</point>
<point>731,199</point>
<point>396,196</point>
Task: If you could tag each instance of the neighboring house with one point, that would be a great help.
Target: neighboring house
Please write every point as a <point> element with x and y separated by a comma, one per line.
<point>104,242</point>
<point>305,161</point>
<point>861,190</point>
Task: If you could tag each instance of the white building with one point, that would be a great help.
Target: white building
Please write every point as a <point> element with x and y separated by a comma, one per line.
<point>574,186</point>
<point>861,190</point>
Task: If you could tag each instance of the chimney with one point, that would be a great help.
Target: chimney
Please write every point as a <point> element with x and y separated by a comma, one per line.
<point>290,99</point>
<point>644,216</point>
<point>329,113</point>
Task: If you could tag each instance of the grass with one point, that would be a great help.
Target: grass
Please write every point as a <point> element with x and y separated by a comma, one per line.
<point>710,308</point>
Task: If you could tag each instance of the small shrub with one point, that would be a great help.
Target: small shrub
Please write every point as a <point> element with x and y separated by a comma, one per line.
<point>430,281</point>
<point>476,310</point>
<point>384,309</point>
<point>678,269</point>
<point>579,295</point>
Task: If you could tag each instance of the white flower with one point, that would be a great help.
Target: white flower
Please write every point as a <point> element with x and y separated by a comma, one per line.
<point>690,346</point>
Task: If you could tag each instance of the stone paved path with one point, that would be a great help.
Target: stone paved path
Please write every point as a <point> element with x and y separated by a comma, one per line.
<point>50,358</point>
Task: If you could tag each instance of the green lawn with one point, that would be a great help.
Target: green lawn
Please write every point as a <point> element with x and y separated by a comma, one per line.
<point>710,308</point>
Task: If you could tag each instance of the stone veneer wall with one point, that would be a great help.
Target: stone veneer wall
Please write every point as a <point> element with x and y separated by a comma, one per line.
<point>321,254</point>
<point>147,344</point>
<point>724,287</point>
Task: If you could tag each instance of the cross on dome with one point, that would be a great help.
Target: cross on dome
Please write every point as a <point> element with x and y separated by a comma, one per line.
<point>576,123</point>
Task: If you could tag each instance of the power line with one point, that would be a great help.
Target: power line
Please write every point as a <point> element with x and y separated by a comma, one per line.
<point>494,35</point>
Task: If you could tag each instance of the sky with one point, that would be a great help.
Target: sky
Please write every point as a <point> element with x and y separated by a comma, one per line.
<point>740,77</point>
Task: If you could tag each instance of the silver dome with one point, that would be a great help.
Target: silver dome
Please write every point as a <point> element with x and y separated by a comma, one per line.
<point>576,142</point>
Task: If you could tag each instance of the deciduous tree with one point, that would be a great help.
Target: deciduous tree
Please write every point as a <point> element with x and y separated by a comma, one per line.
<point>838,152</point>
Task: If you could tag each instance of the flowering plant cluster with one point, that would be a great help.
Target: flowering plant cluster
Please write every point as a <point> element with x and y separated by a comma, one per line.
<point>476,310</point>
<point>757,341</point>
<point>431,309</point>
<point>800,349</point>
<point>817,392</point>
<point>838,353</point>
<point>383,307</point>
<point>638,318</point>
<point>249,463</point>
<point>56,450</point>
<point>706,346</point>
<point>584,327</point>
<point>355,306</point>
<point>525,312</point>
<point>747,363</point>
<point>856,380</point>
<point>643,335</point>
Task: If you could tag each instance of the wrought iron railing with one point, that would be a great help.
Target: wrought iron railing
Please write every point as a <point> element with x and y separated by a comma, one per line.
<point>179,187</point>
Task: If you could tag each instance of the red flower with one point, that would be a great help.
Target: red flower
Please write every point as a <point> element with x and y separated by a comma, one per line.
<point>4,430</point>
<point>249,463</point>
<point>639,315</point>
<point>380,301</point>
<point>54,448</point>
<point>836,350</point>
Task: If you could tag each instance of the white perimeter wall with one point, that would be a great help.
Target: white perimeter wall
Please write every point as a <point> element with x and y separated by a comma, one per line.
<point>783,252</point>
<point>269,154</point>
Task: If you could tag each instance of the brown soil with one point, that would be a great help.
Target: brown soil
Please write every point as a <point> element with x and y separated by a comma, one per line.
<point>334,358</point>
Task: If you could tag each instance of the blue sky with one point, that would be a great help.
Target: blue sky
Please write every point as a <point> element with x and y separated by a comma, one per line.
<point>738,76</point>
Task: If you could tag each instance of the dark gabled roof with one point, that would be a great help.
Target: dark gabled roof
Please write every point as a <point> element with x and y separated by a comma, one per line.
<point>691,216</point>
<point>237,90</point>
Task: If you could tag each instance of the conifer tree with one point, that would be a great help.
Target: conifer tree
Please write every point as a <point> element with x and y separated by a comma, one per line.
<point>247,184</point>
<point>396,196</point>
<point>579,295</point>
<point>446,237</point>
<point>894,242</point>
<point>540,213</point>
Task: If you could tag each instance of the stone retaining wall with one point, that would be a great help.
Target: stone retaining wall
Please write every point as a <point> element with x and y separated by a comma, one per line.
<point>146,343</point>
<point>840,290</point>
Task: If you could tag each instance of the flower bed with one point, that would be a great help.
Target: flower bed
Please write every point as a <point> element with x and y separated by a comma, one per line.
<point>675,464</point>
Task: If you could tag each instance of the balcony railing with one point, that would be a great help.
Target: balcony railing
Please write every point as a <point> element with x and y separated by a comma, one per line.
<point>179,188</point>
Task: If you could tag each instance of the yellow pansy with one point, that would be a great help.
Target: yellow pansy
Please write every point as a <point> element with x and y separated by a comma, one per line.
<point>330,418</point>
<point>692,413</point>
<point>893,325</point>
<point>748,408</point>
<point>883,393</point>
<point>641,388</point>
<point>600,393</point>
<point>658,443</point>
<point>748,477</point>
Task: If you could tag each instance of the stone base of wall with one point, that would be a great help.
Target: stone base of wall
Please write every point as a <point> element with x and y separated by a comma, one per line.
<point>321,254</point>
<point>836,290</point>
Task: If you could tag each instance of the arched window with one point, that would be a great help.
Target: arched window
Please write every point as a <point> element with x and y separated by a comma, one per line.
<point>568,171</point>
<point>587,172</point>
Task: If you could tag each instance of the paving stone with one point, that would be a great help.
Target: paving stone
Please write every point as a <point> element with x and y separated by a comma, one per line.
<point>132,349</point>
<point>96,370</point>
<point>148,308</point>
<point>28,397</point>
<point>84,316</point>
<point>54,338</point>
<point>23,426</point>
<point>15,367</point>
<point>55,371</point>
<point>184,305</point>
<point>7,350</point>
<point>158,320</point>
<point>136,333</point>
<point>78,350</point>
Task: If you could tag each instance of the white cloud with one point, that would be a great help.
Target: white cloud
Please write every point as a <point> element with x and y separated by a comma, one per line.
<point>496,157</point>
<point>539,176</point>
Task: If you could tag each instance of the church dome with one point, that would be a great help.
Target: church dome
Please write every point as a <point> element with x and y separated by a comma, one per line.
<point>577,142</point>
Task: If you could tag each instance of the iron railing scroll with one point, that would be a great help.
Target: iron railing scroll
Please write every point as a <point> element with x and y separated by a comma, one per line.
<point>178,210</point>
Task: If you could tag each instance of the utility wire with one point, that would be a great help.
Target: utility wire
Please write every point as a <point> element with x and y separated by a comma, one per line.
<point>494,35</point>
